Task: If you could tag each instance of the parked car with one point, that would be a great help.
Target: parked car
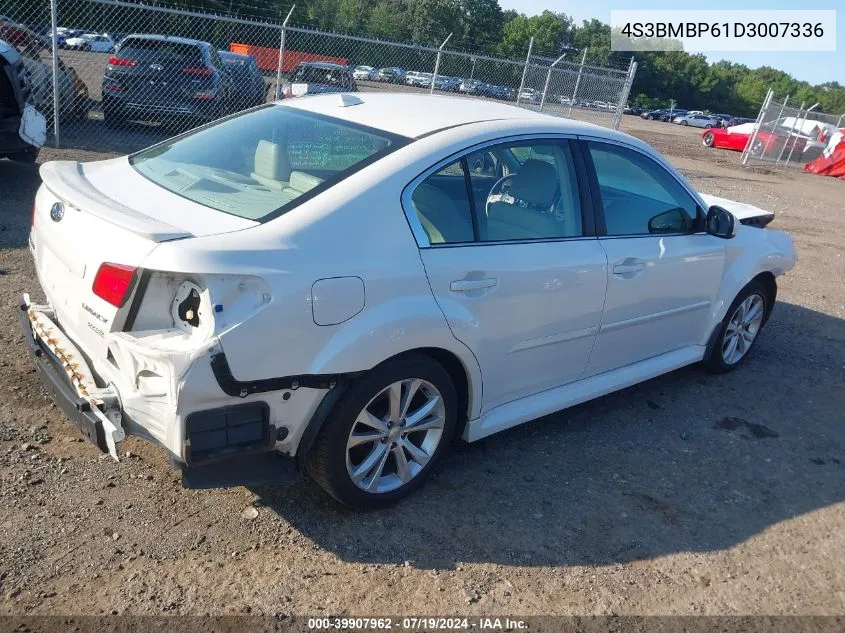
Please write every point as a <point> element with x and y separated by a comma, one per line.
<point>163,78</point>
<point>530,95</point>
<point>285,265</point>
<point>447,84</point>
<point>766,142</point>
<point>418,79</point>
<point>318,77</point>
<point>37,58</point>
<point>697,120</point>
<point>23,129</point>
<point>653,115</point>
<point>93,42</point>
<point>501,92</point>
<point>392,75</point>
<point>248,86</point>
<point>470,86</point>
<point>364,73</point>
<point>670,115</point>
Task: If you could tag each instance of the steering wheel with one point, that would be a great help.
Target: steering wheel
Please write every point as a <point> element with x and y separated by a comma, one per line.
<point>498,187</point>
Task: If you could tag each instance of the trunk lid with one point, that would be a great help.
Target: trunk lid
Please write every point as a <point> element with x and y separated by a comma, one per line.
<point>89,214</point>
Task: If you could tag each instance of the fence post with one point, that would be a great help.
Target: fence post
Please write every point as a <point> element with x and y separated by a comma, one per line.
<point>54,22</point>
<point>472,72</point>
<point>282,52</point>
<point>839,122</point>
<point>763,109</point>
<point>437,63</point>
<point>577,81</point>
<point>525,70</point>
<point>623,97</point>
<point>801,129</point>
<point>780,114</point>
<point>548,77</point>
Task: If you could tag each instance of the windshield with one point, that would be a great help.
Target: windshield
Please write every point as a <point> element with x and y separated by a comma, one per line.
<point>264,162</point>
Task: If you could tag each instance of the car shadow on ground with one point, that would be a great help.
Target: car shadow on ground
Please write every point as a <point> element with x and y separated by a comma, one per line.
<point>688,462</point>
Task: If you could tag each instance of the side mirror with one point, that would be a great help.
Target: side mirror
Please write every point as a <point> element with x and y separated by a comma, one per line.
<point>671,221</point>
<point>720,222</point>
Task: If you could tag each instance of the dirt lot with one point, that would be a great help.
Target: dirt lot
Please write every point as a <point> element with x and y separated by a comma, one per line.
<point>690,494</point>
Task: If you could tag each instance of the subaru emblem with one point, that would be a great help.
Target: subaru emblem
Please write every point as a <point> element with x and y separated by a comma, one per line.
<point>57,212</point>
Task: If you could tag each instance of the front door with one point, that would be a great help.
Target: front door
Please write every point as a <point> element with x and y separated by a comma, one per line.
<point>511,267</point>
<point>663,272</point>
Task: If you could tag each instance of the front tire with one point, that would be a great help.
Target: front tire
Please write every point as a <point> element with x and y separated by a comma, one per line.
<point>386,433</point>
<point>709,140</point>
<point>740,329</point>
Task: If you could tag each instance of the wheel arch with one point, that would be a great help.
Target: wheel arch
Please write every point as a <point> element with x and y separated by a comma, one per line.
<point>466,379</point>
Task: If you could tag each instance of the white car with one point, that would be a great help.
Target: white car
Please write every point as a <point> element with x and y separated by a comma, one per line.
<point>337,296</point>
<point>93,42</point>
<point>364,73</point>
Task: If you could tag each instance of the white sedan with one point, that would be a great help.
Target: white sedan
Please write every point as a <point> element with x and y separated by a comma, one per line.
<point>352,281</point>
<point>93,42</point>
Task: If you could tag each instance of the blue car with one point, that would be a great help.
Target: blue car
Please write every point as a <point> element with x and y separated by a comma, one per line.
<point>248,86</point>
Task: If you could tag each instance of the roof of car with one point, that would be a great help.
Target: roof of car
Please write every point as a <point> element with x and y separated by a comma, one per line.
<point>168,38</point>
<point>426,114</point>
<point>327,65</point>
<point>231,55</point>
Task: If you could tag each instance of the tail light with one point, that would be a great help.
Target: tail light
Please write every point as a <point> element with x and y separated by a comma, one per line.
<point>113,282</point>
<point>117,61</point>
<point>201,71</point>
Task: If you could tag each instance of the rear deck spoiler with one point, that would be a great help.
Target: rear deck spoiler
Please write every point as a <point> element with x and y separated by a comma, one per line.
<point>67,181</point>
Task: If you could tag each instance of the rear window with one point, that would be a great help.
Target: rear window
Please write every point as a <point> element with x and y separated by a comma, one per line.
<point>317,75</point>
<point>264,162</point>
<point>139,49</point>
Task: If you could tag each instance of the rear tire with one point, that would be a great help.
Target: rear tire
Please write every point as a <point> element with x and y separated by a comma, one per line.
<point>708,140</point>
<point>339,458</point>
<point>740,329</point>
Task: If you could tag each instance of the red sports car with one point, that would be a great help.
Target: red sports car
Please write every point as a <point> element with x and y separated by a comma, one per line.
<point>766,141</point>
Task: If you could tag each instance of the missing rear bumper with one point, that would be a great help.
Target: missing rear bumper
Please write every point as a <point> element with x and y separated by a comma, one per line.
<point>63,372</point>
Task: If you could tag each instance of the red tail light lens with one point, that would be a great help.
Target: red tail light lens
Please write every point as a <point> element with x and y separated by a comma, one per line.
<point>113,282</point>
<point>203,72</point>
<point>117,61</point>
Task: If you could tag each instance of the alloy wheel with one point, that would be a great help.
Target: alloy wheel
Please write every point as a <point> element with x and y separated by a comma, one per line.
<point>395,435</point>
<point>743,327</point>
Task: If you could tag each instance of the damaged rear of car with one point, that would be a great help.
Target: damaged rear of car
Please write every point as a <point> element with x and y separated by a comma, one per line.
<point>22,127</point>
<point>150,262</point>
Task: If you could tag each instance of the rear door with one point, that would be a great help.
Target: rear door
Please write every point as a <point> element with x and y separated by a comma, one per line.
<point>663,272</point>
<point>515,266</point>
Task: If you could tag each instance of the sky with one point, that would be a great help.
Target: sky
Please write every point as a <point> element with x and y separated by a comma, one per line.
<point>813,67</point>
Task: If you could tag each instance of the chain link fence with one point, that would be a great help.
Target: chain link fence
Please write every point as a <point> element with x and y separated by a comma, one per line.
<point>790,133</point>
<point>124,75</point>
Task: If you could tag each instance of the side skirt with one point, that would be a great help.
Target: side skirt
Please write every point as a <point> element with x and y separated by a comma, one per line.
<point>531,407</point>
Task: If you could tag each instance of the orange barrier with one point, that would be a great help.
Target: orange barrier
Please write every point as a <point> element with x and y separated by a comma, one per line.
<point>268,58</point>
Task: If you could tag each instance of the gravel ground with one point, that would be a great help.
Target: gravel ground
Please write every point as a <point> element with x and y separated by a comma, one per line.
<point>689,494</point>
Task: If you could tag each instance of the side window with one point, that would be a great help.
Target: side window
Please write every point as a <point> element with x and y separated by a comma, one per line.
<point>533,193</point>
<point>639,196</point>
<point>442,205</point>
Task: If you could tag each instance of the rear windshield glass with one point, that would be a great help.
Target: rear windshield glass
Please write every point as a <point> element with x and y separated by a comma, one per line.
<point>317,75</point>
<point>160,50</point>
<point>264,162</point>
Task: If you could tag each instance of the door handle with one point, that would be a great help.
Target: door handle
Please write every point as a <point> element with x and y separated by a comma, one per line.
<point>628,267</point>
<point>465,285</point>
